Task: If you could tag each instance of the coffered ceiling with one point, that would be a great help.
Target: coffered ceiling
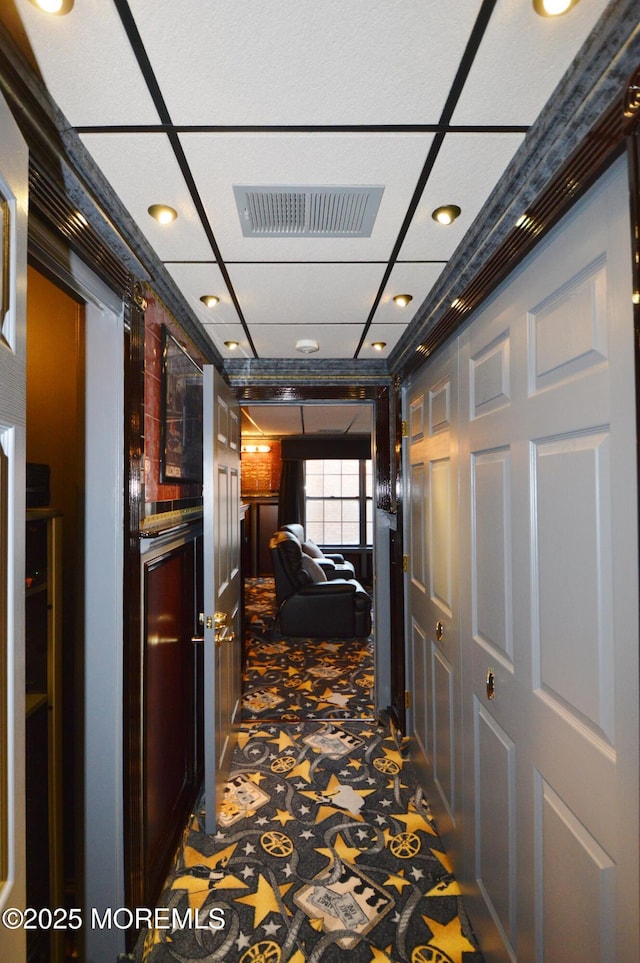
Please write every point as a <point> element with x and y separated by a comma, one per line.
<point>180,101</point>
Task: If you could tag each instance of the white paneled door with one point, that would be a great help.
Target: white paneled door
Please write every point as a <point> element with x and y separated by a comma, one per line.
<point>433,587</point>
<point>222,616</point>
<point>13,266</point>
<point>548,599</point>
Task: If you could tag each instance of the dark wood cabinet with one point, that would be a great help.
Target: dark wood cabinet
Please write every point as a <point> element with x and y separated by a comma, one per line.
<point>261,521</point>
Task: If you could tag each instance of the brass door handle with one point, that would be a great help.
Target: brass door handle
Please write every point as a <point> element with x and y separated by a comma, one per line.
<point>439,630</point>
<point>223,632</point>
<point>491,684</point>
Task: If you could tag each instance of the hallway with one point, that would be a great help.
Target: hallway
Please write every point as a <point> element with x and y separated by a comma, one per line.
<point>325,844</point>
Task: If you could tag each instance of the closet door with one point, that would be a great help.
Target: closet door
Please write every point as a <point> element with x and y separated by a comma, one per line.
<point>550,596</point>
<point>432,609</point>
<point>13,269</point>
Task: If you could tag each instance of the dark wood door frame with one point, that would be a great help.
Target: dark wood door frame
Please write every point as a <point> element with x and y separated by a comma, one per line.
<point>387,444</point>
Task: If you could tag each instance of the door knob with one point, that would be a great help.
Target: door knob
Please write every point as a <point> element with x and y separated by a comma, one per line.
<point>439,630</point>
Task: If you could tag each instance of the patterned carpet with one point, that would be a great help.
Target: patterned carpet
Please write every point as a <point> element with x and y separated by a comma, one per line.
<point>326,850</point>
<point>292,679</point>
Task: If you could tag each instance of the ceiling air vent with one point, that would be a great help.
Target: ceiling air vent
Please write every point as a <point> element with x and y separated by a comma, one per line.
<point>307,211</point>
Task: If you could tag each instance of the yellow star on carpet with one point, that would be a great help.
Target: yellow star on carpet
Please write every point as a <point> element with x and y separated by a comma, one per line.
<point>450,938</point>
<point>355,764</point>
<point>394,756</point>
<point>415,821</point>
<point>344,852</point>
<point>197,889</point>
<point>194,858</point>
<point>154,937</point>
<point>397,880</point>
<point>297,957</point>
<point>264,901</point>
<point>284,741</point>
<point>256,777</point>
<point>282,817</point>
<point>444,888</point>
<point>317,923</point>
<point>381,956</point>
<point>444,859</point>
<point>301,771</point>
<point>305,687</point>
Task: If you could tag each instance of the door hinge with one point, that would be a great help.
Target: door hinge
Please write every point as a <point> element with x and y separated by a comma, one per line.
<point>407,699</point>
<point>405,563</point>
<point>404,430</point>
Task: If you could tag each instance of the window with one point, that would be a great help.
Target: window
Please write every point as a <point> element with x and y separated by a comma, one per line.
<point>338,501</point>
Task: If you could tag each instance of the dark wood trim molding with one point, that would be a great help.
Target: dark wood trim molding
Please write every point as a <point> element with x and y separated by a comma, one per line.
<point>135,883</point>
<point>379,395</point>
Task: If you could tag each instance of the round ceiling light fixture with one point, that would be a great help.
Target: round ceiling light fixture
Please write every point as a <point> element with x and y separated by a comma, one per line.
<point>446,214</point>
<point>307,345</point>
<point>162,213</point>
<point>402,300</point>
<point>378,345</point>
<point>210,300</point>
<point>232,345</point>
<point>553,8</point>
<point>56,7</point>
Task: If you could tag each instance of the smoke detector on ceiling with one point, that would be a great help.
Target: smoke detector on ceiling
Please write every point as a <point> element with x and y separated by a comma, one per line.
<point>307,345</point>
<point>307,211</point>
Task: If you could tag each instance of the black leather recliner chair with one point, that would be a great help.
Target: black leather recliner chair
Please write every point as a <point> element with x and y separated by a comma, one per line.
<point>334,564</point>
<point>310,605</point>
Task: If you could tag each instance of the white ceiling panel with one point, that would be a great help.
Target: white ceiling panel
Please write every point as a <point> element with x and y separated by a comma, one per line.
<point>313,294</point>
<point>304,62</point>
<point>279,340</point>
<point>466,171</point>
<point>393,161</point>
<point>390,334</point>
<point>271,420</point>
<point>219,332</point>
<point>521,60</point>
<point>90,70</point>
<point>196,280</point>
<point>277,420</point>
<point>142,170</point>
<point>412,278</point>
<point>336,418</point>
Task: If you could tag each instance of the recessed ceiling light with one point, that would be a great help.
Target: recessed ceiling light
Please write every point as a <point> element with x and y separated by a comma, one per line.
<point>163,213</point>
<point>58,7</point>
<point>446,214</point>
<point>402,300</point>
<point>210,300</point>
<point>553,8</point>
<point>232,345</point>
<point>307,345</point>
<point>378,345</point>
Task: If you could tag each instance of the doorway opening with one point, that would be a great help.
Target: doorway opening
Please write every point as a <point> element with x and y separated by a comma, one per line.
<point>54,596</point>
<point>328,450</point>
